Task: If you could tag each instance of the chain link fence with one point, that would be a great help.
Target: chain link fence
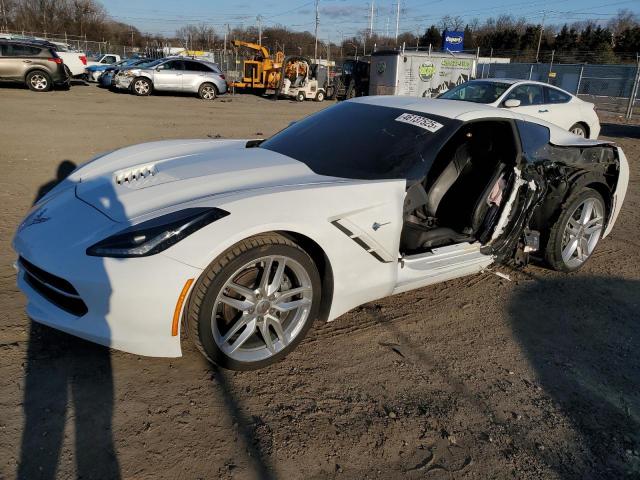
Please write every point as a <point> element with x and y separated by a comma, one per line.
<point>612,87</point>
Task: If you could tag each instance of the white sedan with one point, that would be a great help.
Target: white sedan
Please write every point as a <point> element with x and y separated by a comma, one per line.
<point>537,99</point>
<point>245,243</point>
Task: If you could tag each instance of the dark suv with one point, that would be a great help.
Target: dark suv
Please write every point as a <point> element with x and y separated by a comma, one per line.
<point>37,65</point>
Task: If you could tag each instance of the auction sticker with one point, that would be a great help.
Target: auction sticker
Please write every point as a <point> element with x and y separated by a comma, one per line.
<point>419,121</point>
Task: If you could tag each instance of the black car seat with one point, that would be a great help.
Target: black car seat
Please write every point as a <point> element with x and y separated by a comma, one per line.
<point>457,196</point>
<point>417,232</point>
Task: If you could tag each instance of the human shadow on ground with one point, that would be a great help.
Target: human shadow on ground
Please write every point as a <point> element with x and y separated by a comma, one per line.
<point>580,334</point>
<point>68,380</point>
<point>257,458</point>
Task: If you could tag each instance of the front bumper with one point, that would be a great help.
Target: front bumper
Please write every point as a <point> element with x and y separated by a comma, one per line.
<point>129,303</point>
<point>123,82</point>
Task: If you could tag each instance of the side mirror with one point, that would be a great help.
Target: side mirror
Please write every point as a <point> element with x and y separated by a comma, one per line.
<point>512,103</point>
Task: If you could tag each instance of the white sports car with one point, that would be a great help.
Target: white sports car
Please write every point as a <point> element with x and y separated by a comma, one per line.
<point>537,99</point>
<point>246,243</point>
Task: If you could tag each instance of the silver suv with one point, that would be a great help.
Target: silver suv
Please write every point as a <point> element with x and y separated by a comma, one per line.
<point>175,75</point>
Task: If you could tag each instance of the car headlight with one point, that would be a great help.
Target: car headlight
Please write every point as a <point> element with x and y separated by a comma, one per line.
<point>155,235</point>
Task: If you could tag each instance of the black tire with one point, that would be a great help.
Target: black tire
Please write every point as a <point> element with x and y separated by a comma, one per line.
<point>331,92</point>
<point>39,81</point>
<point>300,97</point>
<point>553,250</point>
<point>205,292</point>
<point>351,91</point>
<point>208,91</point>
<point>580,130</point>
<point>320,96</point>
<point>141,87</point>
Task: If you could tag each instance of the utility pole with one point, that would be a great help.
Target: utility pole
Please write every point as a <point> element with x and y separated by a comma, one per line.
<point>5,26</point>
<point>224,49</point>
<point>259,19</point>
<point>397,20</point>
<point>371,21</point>
<point>544,16</point>
<point>315,50</point>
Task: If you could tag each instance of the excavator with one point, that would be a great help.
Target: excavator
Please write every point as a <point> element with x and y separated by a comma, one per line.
<point>261,72</point>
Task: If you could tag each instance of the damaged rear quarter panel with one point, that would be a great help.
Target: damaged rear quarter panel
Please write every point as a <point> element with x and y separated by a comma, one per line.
<point>549,174</point>
<point>564,170</point>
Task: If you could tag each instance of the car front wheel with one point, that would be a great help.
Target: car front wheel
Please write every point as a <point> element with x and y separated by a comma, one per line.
<point>254,303</point>
<point>141,87</point>
<point>574,236</point>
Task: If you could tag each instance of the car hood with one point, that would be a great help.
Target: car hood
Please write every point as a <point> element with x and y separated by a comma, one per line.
<point>140,179</point>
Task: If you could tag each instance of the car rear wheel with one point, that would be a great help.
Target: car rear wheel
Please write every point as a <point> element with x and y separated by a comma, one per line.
<point>207,91</point>
<point>254,303</point>
<point>579,129</point>
<point>574,236</point>
<point>320,96</point>
<point>39,81</point>
<point>141,87</point>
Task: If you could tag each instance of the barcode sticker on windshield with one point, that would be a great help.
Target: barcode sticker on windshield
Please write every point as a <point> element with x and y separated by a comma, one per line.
<point>418,121</point>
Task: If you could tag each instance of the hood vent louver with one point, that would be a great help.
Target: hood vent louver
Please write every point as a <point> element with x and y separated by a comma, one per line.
<point>136,176</point>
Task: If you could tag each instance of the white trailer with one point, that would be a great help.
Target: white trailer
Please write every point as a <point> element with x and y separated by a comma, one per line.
<point>418,74</point>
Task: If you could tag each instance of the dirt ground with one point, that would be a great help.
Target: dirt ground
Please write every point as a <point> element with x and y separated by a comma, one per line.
<point>533,378</point>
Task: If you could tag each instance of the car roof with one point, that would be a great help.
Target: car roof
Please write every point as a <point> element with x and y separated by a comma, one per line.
<point>514,81</point>
<point>468,111</point>
<point>32,43</point>
<point>443,108</point>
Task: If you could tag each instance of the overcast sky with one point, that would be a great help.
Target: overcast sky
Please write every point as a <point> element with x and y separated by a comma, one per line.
<point>347,17</point>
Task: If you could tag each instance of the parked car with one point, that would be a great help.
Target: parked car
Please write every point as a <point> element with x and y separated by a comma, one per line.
<point>107,77</point>
<point>104,59</point>
<point>248,242</point>
<point>537,99</point>
<point>38,66</point>
<point>93,72</point>
<point>74,60</point>
<point>175,75</point>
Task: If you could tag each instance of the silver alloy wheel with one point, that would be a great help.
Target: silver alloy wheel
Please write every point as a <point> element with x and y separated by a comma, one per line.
<point>141,87</point>
<point>261,308</point>
<point>578,130</point>
<point>582,232</point>
<point>208,92</point>
<point>39,82</point>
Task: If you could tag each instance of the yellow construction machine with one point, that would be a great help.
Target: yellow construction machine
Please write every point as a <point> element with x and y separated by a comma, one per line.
<point>261,72</point>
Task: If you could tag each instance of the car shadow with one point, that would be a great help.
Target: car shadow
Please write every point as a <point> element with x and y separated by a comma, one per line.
<point>580,334</point>
<point>69,380</point>
<point>617,130</point>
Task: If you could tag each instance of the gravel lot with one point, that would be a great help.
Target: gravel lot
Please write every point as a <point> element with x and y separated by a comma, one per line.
<point>533,378</point>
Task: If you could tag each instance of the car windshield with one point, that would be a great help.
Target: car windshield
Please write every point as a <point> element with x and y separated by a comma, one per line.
<point>478,92</point>
<point>360,141</point>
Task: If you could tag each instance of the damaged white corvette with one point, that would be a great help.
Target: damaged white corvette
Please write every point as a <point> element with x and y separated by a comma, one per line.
<point>245,243</point>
